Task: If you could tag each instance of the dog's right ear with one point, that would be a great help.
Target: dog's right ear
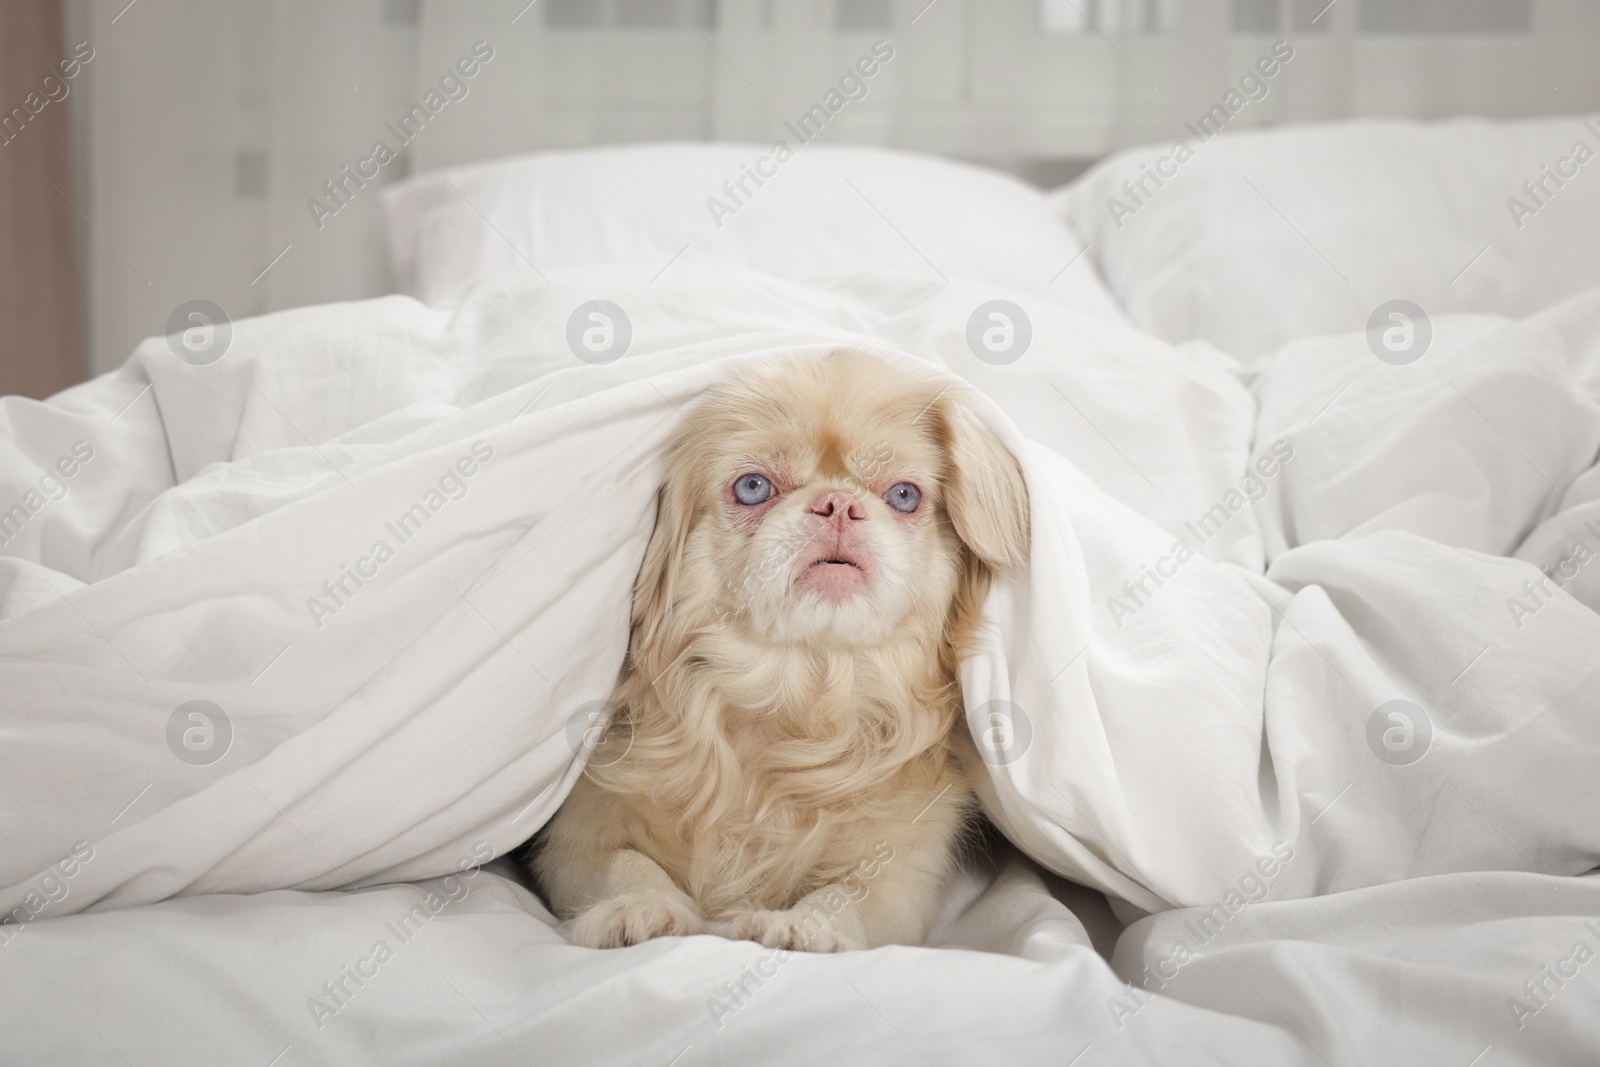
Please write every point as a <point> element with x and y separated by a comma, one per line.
<point>654,592</point>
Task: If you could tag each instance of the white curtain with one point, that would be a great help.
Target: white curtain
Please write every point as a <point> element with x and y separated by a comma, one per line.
<point>204,128</point>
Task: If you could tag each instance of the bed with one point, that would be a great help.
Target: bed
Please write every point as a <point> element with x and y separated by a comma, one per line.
<point>1290,726</point>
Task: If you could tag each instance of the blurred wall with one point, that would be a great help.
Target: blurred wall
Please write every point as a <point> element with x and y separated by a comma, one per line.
<point>207,127</point>
<point>40,300</point>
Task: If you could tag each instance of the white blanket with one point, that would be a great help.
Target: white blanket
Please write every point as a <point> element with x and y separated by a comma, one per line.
<point>1226,734</point>
<point>1419,972</point>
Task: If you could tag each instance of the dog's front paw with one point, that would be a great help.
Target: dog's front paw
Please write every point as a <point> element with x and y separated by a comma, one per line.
<point>636,917</point>
<point>798,929</point>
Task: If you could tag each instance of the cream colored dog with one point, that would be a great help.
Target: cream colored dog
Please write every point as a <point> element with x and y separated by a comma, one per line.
<point>787,762</point>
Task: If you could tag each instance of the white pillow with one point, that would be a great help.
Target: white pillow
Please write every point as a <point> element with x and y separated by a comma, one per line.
<point>824,211</point>
<point>1244,244</point>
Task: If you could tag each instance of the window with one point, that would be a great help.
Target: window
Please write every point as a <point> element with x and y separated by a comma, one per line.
<point>1107,16</point>
<point>861,15</point>
<point>1448,16</point>
<point>630,14</point>
<point>1282,17</point>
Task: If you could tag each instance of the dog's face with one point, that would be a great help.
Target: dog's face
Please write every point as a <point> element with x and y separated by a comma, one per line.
<point>829,500</point>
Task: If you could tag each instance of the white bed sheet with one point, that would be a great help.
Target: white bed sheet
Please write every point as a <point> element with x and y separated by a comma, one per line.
<point>1175,753</point>
<point>1421,971</point>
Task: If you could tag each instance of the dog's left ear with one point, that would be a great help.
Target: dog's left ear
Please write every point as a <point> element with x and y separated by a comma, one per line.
<point>984,491</point>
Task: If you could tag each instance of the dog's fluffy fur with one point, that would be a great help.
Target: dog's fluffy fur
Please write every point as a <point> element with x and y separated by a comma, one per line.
<point>786,761</point>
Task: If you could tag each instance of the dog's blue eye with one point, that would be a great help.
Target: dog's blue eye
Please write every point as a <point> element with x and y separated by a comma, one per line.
<point>752,489</point>
<point>903,497</point>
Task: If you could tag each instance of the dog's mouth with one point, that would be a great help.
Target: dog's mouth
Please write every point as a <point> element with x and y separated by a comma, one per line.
<point>834,577</point>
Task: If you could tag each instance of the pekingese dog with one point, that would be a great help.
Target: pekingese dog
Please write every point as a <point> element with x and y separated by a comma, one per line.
<point>787,761</point>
